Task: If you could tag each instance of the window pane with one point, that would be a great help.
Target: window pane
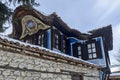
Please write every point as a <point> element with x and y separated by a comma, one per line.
<point>93,50</point>
<point>64,46</point>
<point>63,43</point>
<point>79,52</point>
<point>94,55</point>
<point>90,56</point>
<point>57,41</point>
<point>89,51</point>
<point>42,35</point>
<point>79,57</point>
<point>57,46</point>
<point>39,37</point>
<point>56,36</point>
<point>89,46</point>
<point>79,48</point>
<point>93,45</point>
<point>42,45</point>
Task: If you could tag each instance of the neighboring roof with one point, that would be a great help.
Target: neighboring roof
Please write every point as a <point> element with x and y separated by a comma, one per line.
<point>106,32</point>
<point>40,52</point>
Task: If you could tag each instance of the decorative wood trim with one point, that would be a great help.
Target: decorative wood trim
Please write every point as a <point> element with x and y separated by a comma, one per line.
<point>26,30</point>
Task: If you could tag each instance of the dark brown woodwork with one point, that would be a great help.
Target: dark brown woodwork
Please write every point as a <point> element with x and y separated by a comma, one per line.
<point>68,46</point>
<point>106,32</point>
<point>97,47</point>
<point>77,77</point>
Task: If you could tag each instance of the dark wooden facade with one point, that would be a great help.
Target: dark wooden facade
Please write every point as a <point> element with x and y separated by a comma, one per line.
<point>52,33</point>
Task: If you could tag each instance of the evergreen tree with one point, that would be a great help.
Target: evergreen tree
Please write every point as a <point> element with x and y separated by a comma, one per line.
<point>6,12</point>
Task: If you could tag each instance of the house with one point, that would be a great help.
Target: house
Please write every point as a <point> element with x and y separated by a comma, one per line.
<point>31,26</point>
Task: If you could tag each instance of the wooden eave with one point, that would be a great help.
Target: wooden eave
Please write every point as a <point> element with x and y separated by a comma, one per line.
<point>52,20</point>
<point>106,33</point>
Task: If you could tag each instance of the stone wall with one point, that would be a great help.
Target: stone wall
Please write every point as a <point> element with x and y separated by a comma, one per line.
<point>14,66</point>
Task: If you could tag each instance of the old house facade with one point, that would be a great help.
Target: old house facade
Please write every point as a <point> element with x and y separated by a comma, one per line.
<point>22,61</point>
<point>51,50</point>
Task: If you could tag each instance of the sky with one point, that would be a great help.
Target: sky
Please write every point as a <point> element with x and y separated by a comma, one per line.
<point>85,15</point>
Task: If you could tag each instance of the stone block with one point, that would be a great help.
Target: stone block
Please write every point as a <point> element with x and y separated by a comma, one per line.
<point>19,78</point>
<point>6,72</point>
<point>17,73</point>
<point>13,64</point>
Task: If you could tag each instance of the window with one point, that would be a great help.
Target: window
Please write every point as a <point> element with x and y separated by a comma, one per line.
<point>79,52</point>
<point>30,24</point>
<point>41,40</point>
<point>92,51</point>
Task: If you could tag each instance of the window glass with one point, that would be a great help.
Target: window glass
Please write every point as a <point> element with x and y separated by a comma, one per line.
<point>79,48</point>
<point>92,51</point>
<point>41,40</point>
<point>90,56</point>
<point>89,46</point>
<point>94,55</point>
<point>89,50</point>
<point>79,52</point>
<point>93,45</point>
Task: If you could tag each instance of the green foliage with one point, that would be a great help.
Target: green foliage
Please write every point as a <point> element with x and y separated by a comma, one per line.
<point>24,2</point>
<point>6,12</point>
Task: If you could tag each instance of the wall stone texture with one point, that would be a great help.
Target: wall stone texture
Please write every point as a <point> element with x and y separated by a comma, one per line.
<point>14,66</point>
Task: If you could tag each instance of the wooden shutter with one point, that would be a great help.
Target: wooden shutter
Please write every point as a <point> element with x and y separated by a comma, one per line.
<point>62,38</point>
<point>84,51</point>
<point>67,51</point>
<point>59,40</point>
<point>75,51</point>
<point>98,49</point>
<point>56,32</point>
<point>52,38</point>
<point>45,39</point>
